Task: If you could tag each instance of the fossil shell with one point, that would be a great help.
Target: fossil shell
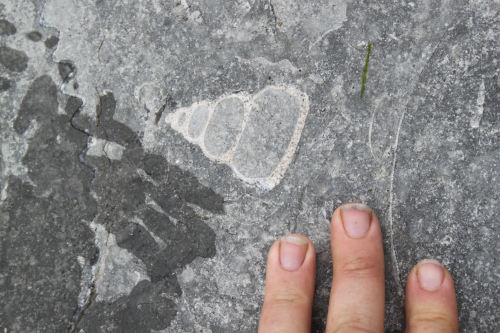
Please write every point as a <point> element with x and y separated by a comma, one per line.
<point>256,135</point>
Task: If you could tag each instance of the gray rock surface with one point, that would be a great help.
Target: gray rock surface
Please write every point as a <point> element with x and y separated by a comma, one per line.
<point>152,151</point>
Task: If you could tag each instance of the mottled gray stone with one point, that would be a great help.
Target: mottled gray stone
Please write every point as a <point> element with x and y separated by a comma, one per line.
<point>116,218</point>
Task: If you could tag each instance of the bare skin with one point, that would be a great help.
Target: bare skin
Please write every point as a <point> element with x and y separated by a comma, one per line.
<point>357,297</point>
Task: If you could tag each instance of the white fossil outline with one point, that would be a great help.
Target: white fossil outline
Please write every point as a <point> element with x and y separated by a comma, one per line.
<point>248,101</point>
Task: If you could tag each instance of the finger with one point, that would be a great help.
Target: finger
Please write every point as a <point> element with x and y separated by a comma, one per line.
<point>357,299</point>
<point>290,274</point>
<point>431,304</point>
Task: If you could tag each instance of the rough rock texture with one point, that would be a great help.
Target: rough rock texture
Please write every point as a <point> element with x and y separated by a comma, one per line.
<point>151,152</point>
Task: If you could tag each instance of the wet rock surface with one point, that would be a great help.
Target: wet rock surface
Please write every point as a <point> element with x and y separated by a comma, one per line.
<point>151,152</point>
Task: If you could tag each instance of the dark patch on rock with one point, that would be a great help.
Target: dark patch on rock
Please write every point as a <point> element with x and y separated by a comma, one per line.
<point>7,28</point>
<point>14,60</point>
<point>43,225</point>
<point>5,83</point>
<point>34,36</point>
<point>73,104</point>
<point>145,309</point>
<point>40,98</point>
<point>51,42</point>
<point>127,190</point>
<point>66,70</point>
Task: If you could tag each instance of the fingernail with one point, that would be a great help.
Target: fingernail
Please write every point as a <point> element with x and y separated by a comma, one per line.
<point>430,274</point>
<point>356,218</point>
<point>292,252</point>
